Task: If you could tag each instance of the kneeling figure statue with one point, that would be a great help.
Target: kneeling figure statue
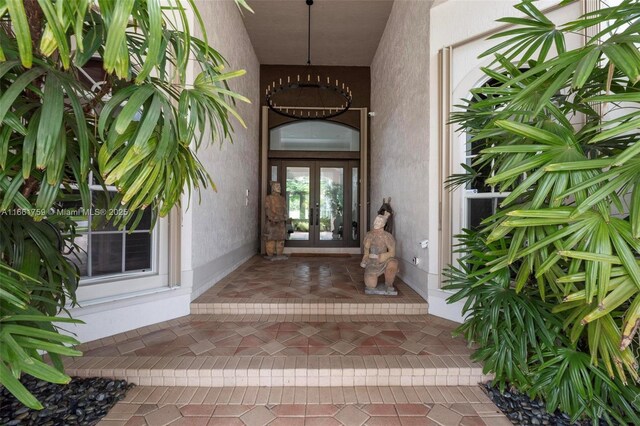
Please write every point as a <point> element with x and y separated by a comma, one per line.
<point>379,258</point>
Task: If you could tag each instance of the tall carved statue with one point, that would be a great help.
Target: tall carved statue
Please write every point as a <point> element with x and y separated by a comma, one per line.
<point>275,231</point>
<point>379,258</point>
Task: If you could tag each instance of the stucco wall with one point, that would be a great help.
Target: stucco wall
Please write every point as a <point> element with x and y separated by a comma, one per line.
<point>458,23</point>
<point>404,131</point>
<point>399,132</point>
<point>222,229</point>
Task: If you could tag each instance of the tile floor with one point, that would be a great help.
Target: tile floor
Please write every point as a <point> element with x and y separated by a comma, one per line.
<point>211,335</point>
<point>308,279</point>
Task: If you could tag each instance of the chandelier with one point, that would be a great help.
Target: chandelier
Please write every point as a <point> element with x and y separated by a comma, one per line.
<point>332,99</point>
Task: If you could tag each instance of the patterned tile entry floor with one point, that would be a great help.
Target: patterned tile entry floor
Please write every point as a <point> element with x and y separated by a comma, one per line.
<point>211,335</point>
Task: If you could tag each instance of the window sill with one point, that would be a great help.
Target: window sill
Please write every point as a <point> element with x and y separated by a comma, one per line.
<point>97,305</point>
<point>125,296</point>
<point>122,286</point>
<point>105,279</point>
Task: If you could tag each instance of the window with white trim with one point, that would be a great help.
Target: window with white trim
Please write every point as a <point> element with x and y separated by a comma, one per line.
<point>103,250</point>
<point>479,199</point>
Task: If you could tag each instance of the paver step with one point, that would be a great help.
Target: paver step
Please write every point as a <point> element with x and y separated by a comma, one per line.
<point>368,405</point>
<point>298,307</point>
<point>297,371</point>
<point>285,335</point>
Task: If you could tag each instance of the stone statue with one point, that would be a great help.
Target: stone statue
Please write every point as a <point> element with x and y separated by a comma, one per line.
<point>379,258</point>
<point>275,230</point>
<point>386,208</point>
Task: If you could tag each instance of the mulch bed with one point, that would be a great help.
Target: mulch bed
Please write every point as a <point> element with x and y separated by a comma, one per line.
<point>83,401</point>
<point>521,410</point>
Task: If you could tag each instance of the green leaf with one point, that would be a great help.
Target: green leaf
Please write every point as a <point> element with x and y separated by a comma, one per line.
<point>48,139</point>
<point>92,41</point>
<point>43,371</point>
<point>615,298</point>
<point>634,210</point>
<point>625,254</point>
<point>619,129</point>
<point>149,122</point>
<point>20,26</point>
<point>624,59</point>
<point>51,348</point>
<point>579,165</point>
<point>590,256</point>
<point>10,95</point>
<point>37,333</point>
<point>54,23</point>
<point>29,144</point>
<point>133,106</point>
<point>616,97</point>
<point>116,57</point>
<point>513,149</point>
<point>630,153</point>
<point>585,67</point>
<point>530,132</point>
<point>155,39</point>
<point>39,318</point>
<point>560,213</point>
<point>17,389</point>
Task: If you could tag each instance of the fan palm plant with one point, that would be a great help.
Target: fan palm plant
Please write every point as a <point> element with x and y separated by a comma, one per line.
<point>559,132</point>
<point>137,131</point>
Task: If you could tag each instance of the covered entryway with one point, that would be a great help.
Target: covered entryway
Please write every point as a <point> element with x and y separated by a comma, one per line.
<point>321,166</point>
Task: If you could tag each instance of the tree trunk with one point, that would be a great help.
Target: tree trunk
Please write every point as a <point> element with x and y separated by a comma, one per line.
<point>36,21</point>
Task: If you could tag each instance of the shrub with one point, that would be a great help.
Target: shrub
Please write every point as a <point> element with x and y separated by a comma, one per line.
<point>552,280</point>
<point>136,132</point>
<point>301,225</point>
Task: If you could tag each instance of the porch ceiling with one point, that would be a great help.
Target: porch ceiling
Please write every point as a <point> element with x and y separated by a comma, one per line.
<point>343,32</point>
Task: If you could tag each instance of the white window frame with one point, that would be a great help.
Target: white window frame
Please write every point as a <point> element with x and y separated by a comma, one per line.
<point>89,279</point>
<point>115,286</point>
<point>473,194</point>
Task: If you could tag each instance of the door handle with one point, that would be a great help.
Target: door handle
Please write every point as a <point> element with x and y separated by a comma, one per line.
<point>311,216</point>
<point>317,216</point>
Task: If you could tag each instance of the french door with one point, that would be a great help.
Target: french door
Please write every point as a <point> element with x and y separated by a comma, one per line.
<point>322,201</point>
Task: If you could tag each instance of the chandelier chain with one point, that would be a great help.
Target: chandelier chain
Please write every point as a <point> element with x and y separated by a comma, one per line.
<point>298,86</point>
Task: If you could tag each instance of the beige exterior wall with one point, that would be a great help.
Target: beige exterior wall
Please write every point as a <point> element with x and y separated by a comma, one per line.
<point>221,230</point>
<point>399,133</point>
<point>405,131</point>
<point>462,26</point>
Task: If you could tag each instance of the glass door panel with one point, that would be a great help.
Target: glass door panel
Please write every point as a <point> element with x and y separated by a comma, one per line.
<point>322,201</point>
<point>355,205</point>
<point>331,206</point>
<point>299,203</point>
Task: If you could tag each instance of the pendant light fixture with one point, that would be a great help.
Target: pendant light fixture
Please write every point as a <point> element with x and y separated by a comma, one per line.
<point>285,96</point>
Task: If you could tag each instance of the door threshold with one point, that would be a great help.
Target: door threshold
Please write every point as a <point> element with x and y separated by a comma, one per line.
<point>297,251</point>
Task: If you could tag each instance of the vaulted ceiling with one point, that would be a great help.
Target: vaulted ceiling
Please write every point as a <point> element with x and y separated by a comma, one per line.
<point>343,32</point>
